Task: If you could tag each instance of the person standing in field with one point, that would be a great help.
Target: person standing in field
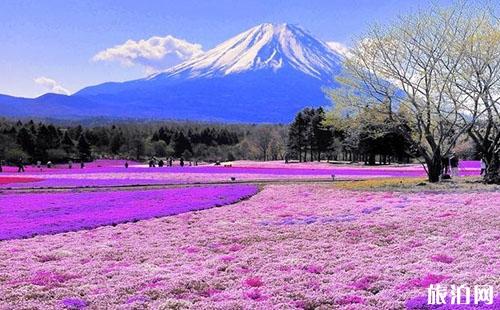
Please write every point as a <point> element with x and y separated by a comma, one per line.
<point>70,164</point>
<point>454,165</point>
<point>20,165</point>
<point>483,166</point>
<point>446,165</point>
<point>181,161</point>
<point>126,164</point>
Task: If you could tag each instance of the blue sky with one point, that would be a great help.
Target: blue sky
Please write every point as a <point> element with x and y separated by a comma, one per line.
<point>55,42</point>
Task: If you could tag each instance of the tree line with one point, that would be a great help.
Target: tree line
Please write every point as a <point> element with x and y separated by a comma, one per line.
<point>317,135</point>
<point>40,141</point>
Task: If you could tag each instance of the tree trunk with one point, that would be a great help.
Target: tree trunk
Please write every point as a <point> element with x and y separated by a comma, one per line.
<point>371,160</point>
<point>434,168</point>
<point>492,175</point>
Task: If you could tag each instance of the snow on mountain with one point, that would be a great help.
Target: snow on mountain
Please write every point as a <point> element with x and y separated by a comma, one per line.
<point>266,46</point>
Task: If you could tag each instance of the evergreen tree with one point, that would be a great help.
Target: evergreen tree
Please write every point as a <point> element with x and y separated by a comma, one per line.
<point>116,143</point>
<point>54,137</point>
<point>43,143</point>
<point>181,144</point>
<point>84,149</point>
<point>321,136</point>
<point>26,140</point>
<point>138,148</point>
<point>67,143</point>
<point>296,136</point>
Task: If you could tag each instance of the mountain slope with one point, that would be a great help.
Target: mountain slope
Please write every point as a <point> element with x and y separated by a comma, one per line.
<point>265,74</point>
<point>266,46</point>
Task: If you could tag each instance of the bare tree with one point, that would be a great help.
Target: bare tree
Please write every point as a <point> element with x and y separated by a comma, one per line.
<point>412,65</point>
<point>479,81</point>
<point>277,146</point>
<point>262,139</point>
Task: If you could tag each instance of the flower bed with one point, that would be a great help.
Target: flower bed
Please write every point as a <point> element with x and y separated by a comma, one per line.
<point>88,181</point>
<point>12,180</point>
<point>26,215</point>
<point>290,246</point>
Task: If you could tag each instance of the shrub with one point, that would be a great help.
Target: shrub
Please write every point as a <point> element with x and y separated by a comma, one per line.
<point>57,155</point>
<point>13,155</point>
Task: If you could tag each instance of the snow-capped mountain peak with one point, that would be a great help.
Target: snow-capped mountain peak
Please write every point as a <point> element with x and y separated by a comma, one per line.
<point>266,46</point>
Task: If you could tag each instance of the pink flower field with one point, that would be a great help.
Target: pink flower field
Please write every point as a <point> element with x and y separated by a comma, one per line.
<point>112,173</point>
<point>306,246</point>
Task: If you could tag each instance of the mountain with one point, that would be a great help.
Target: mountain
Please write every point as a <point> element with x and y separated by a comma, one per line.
<point>265,47</point>
<point>265,74</point>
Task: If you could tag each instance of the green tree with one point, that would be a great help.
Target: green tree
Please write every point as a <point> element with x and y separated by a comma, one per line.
<point>67,143</point>
<point>181,144</point>
<point>138,148</point>
<point>26,140</point>
<point>117,141</point>
<point>84,149</point>
<point>296,136</point>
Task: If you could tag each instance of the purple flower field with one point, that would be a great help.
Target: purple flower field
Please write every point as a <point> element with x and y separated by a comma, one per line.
<point>466,167</point>
<point>104,173</point>
<point>290,246</point>
<point>26,215</point>
<point>87,182</point>
<point>304,246</point>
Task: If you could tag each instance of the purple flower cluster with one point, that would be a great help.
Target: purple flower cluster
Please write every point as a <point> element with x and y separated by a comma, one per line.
<point>74,303</point>
<point>26,215</point>
<point>371,210</point>
<point>311,220</point>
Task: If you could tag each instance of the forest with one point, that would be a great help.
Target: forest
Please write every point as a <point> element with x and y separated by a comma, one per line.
<point>314,135</point>
<point>43,141</point>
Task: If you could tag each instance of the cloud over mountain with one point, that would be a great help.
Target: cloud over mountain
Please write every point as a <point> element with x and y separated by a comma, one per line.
<point>154,54</point>
<point>51,85</point>
<point>340,48</point>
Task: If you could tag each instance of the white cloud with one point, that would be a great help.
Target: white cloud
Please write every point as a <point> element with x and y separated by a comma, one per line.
<point>340,48</point>
<point>154,54</point>
<point>51,85</point>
